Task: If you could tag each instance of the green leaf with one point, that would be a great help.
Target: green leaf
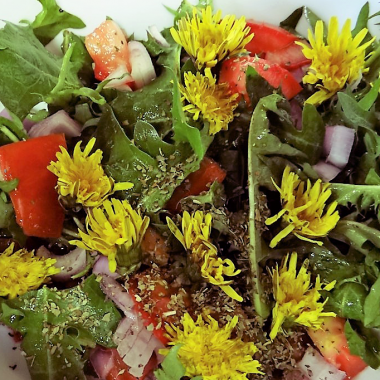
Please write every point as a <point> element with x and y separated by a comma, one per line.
<point>362,20</point>
<point>309,140</point>
<point>369,99</point>
<point>186,9</point>
<point>363,342</point>
<point>171,367</point>
<point>312,19</point>
<point>261,143</point>
<point>52,20</point>
<point>347,301</point>
<point>372,306</point>
<point>68,321</point>
<point>291,22</point>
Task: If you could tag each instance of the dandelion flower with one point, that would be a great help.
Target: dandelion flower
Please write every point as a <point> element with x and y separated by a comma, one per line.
<point>209,351</point>
<point>195,237</point>
<point>336,62</point>
<point>303,209</point>
<point>115,230</point>
<point>296,300</point>
<point>82,178</point>
<point>210,38</point>
<point>22,271</point>
<point>213,101</point>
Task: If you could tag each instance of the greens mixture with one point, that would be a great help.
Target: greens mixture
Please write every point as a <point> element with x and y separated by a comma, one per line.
<point>203,204</point>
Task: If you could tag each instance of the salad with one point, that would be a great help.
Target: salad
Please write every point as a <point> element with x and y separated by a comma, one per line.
<point>202,204</point>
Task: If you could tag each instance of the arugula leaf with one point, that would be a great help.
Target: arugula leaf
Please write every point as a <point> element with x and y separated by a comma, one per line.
<point>67,321</point>
<point>261,143</point>
<point>186,8</point>
<point>52,20</point>
<point>363,342</point>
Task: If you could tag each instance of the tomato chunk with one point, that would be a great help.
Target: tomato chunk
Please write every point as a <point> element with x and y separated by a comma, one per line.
<point>233,72</point>
<point>108,47</point>
<point>197,182</point>
<point>290,57</point>
<point>268,37</point>
<point>332,343</point>
<point>35,199</point>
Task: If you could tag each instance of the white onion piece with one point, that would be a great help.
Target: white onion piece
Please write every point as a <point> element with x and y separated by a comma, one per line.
<point>27,123</point>
<point>325,171</point>
<point>102,360</point>
<point>142,67</point>
<point>157,36</point>
<point>338,144</point>
<point>60,122</point>
<point>70,264</point>
<point>120,79</point>
<point>117,293</point>
<point>101,267</point>
<point>315,367</point>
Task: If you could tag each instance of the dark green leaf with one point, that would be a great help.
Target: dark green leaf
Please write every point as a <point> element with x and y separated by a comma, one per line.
<point>362,20</point>
<point>291,22</point>
<point>347,301</point>
<point>369,99</point>
<point>68,321</point>
<point>52,20</point>
<point>363,342</point>
<point>372,306</point>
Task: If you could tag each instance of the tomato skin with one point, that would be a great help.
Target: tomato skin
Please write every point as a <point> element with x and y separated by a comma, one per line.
<point>290,57</point>
<point>233,72</point>
<point>35,199</point>
<point>196,182</point>
<point>332,343</point>
<point>268,38</point>
<point>108,47</point>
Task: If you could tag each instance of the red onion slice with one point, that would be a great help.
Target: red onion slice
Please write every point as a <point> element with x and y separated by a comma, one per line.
<point>60,122</point>
<point>70,264</point>
<point>157,36</point>
<point>325,171</point>
<point>142,67</point>
<point>102,360</point>
<point>338,144</point>
<point>315,367</point>
<point>101,267</point>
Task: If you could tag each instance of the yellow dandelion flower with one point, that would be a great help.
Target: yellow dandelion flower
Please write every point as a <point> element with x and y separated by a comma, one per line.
<point>114,229</point>
<point>296,301</point>
<point>213,101</point>
<point>209,351</point>
<point>82,178</point>
<point>210,38</point>
<point>195,237</point>
<point>303,209</point>
<point>336,62</point>
<point>22,271</point>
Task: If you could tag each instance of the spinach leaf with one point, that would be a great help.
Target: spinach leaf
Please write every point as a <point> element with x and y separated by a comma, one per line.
<point>363,342</point>
<point>52,20</point>
<point>67,321</point>
<point>348,300</point>
<point>372,306</point>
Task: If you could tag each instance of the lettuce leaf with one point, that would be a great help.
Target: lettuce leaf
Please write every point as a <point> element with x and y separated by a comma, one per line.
<point>57,326</point>
<point>52,20</point>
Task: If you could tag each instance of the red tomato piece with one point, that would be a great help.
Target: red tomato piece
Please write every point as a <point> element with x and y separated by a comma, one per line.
<point>108,47</point>
<point>35,199</point>
<point>197,182</point>
<point>160,297</point>
<point>290,57</point>
<point>332,343</point>
<point>120,371</point>
<point>268,38</point>
<point>233,72</point>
